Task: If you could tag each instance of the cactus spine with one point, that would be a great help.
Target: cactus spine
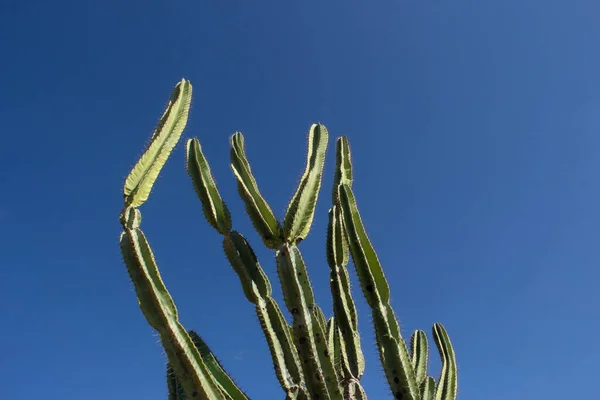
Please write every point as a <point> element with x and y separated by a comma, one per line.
<point>313,358</point>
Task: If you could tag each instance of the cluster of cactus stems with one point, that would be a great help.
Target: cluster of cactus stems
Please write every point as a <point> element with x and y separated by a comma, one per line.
<point>314,357</point>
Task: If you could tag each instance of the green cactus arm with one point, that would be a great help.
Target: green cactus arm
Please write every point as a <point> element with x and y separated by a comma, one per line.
<point>260,213</point>
<point>331,329</point>
<point>392,348</point>
<point>448,382</point>
<point>428,388</point>
<point>341,357</point>
<point>301,209</point>
<point>240,254</point>
<point>215,210</point>
<point>216,369</point>
<point>343,303</point>
<point>333,347</point>
<point>160,312</point>
<point>257,289</point>
<point>368,267</point>
<point>320,317</point>
<point>224,381</point>
<point>143,175</point>
<point>419,351</point>
<point>295,288</point>
<point>280,339</point>
<point>351,386</point>
<point>336,244</point>
<point>309,338</point>
<point>175,389</point>
<point>343,166</point>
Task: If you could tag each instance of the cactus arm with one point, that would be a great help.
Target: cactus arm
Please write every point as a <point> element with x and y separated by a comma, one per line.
<point>260,213</point>
<point>350,385</point>
<point>343,304</point>
<point>214,366</point>
<point>419,354</point>
<point>333,347</point>
<point>301,209</point>
<point>215,210</point>
<point>160,312</point>
<point>392,349</point>
<point>175,390</point>
<point>242,258</point>
<point>258,290</point>
<point>342,365</point>
<point>343,166</point>
<point>320,318</point>
<point>309,338</point>
<point>336,242</point>
<point>342,357</point>
<point>153,298</point>
<point>139,182</point>
<point>280,339</point>
<point>369,269</point>
<point>428,388</point>
<point>223,379</point>
<point>447,385</point>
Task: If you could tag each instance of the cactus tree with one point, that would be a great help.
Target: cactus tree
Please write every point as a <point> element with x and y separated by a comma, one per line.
<point>313,357</point>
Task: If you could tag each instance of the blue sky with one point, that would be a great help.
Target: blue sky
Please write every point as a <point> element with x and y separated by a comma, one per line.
<point>474,128</point>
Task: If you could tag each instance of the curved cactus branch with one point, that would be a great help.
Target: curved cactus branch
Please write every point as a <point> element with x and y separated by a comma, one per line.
<point>241,256</point>
<point>225,382</point>
<point>153,298</point>
<point>141,179</point>
<point>333,347</point>
<point>160,312</point>
<point>260,212</point>
<point>222,378</point>
<point>343,167</point>
<point>175,389</point>
<point>301,210</point>
<point>419,352</point>
<point>392,348</point>
<point>215,210</point>
<point>320,319</point>
<point>428,388</point>
<point>447,384</point>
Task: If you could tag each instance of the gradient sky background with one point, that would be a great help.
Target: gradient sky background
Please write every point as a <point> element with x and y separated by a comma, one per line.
<point>474,127</point>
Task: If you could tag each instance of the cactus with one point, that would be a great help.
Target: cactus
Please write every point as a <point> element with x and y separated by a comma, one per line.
<point>313,357</point>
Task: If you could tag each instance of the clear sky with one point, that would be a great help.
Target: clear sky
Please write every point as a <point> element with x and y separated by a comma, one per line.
<point>475,134</point>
